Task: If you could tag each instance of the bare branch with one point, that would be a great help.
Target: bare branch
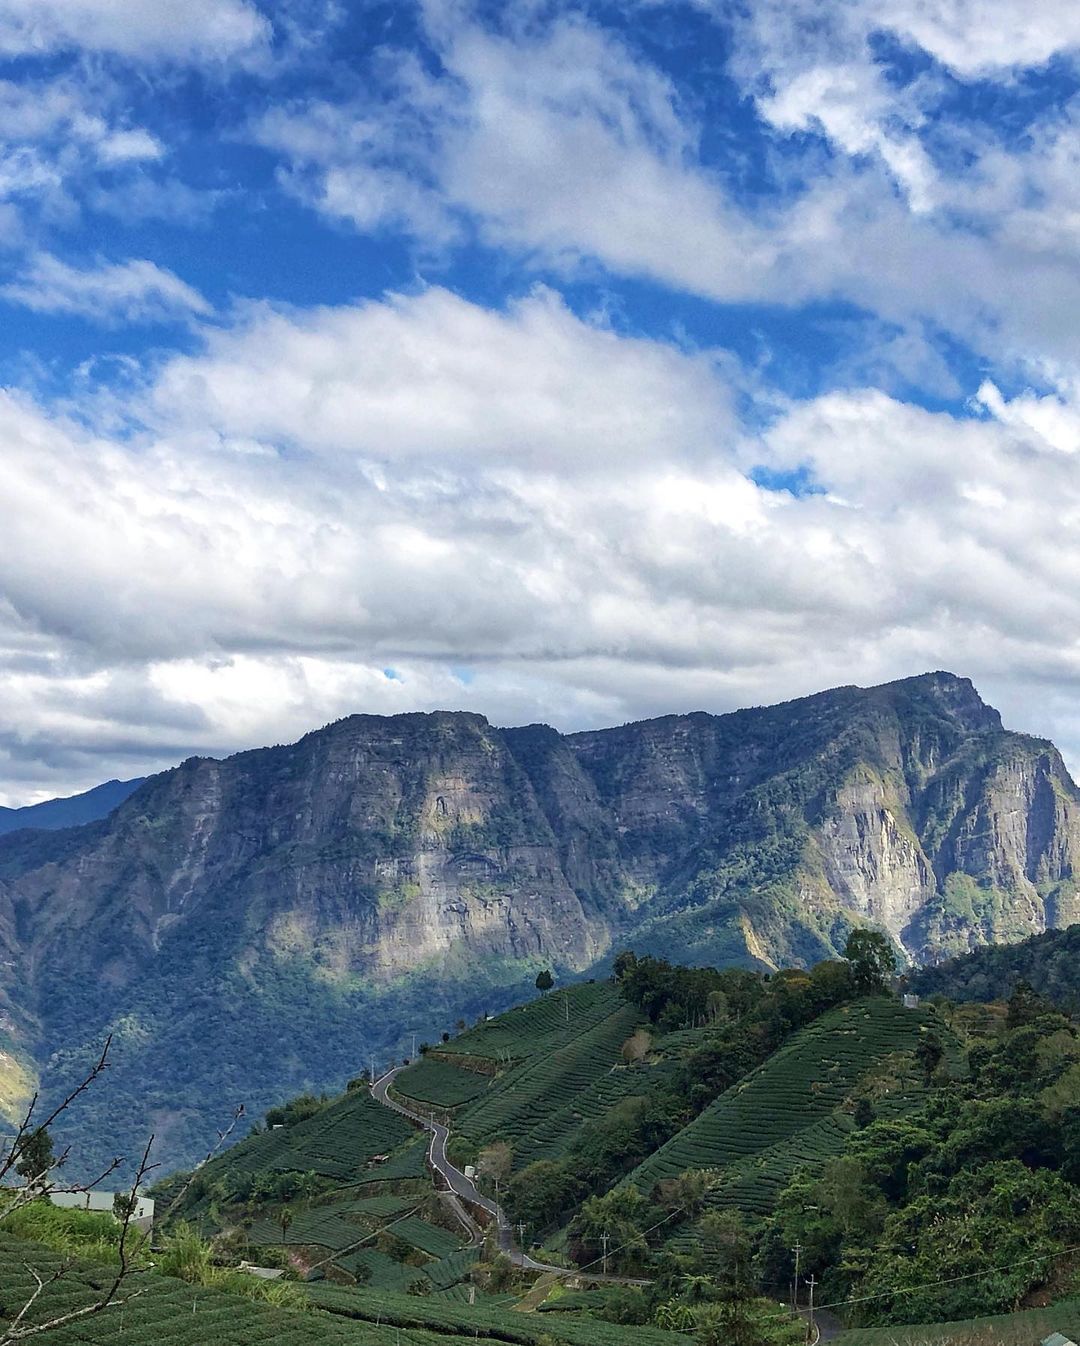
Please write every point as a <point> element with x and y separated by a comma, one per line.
<point>223,1136</point>
<point>128,1256</point>
<point>24,1135</point>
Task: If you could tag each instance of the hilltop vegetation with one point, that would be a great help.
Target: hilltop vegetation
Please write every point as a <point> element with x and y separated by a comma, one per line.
<point>1048,963</point>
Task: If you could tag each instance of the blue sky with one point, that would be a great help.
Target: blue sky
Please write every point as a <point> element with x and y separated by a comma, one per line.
<point>563,362</point>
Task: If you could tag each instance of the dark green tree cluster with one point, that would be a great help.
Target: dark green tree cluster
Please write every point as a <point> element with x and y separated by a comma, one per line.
<point>960,1208</point>
<point>296,1110</point>
<point>1047,964</point>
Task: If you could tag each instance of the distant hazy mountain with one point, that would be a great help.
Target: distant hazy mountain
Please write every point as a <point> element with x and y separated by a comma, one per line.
<point>72,811</point>
<point>252,926</point>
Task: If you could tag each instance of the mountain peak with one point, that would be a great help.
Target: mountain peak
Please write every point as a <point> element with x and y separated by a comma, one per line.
<point>947,694</point>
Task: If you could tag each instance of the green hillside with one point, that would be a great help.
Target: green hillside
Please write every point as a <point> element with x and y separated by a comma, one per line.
<point>793,1110</point>
<point>686,1128</point>
<point>338,1143</point>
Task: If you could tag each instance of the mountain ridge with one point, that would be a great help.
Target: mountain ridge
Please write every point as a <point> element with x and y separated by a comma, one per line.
<point>71,810</point>
<point>266,918</point>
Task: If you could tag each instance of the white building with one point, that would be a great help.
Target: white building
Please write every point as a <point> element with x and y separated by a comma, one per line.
<point>102,1203</point>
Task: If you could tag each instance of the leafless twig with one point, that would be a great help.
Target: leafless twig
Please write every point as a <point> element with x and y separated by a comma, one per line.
<point>223,1136</point>
<point>20,1330</point>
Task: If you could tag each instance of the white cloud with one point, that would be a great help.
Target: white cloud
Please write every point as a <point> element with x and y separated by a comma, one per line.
<point>518,512</point>
<point>58,135</point>
<point>555,141</point>
<point>209,31</point>
<point>431,378</point>
<point>131,291</point>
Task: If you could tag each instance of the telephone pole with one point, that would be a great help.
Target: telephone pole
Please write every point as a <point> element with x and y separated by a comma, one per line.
<point>810,1321</point>
<point>797,1250</point>
<point>414,1047</point>
<point>604,1243</point>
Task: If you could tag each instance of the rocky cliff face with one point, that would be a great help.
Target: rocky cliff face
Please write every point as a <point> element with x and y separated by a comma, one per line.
<point>271,917</point>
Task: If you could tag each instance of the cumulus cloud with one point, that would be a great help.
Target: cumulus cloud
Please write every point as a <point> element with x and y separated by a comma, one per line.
<point>419,502</point>
<point>133,291</point>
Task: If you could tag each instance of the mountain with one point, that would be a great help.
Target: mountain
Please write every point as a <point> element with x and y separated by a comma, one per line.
<point>257,925</point>
<point>72,811</point>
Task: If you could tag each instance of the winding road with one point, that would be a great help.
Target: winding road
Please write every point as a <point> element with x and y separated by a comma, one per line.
<point>466,1190</point>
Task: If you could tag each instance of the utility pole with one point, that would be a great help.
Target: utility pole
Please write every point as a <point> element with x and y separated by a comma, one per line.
<point>373,1069</point>
<point>810,1321</point>
<point>566,1004</point>
<point>604,1243</point>
<point>797,1250</point>
<point>414,1047</point>
<point>521,1232</point>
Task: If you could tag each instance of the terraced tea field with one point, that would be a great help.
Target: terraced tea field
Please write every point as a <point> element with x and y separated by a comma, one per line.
<point>336,1143</point>
<point>522,1104</point>
<point>549,1138</point>
<point>434,1080</point>
<point>788,1111</point>
<point>539,1026</point>
<point>1026,1328</point>
<point>494,1317</point>
<point>169,1312</point>
<point>339,1226</point>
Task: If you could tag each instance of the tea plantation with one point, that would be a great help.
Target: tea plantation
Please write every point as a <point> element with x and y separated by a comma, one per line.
<point>788,1111</point>
<point>436,1080</point>
<point>169,1312</point>
<point>525,1102</point>
<point>338,1142</point>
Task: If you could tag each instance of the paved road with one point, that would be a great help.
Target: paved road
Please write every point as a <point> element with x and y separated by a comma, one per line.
<point>468,1191</point>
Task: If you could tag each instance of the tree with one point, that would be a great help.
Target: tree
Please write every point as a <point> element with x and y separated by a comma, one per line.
<point>1025,1005</point>
<point>285,1219</point>
<point>728,1247</point>
<point>624,963</point>
<point>542,1193</point>
<point>124,1205</point>
<point>496,1160</point>
<point>929,1053</point>
<point>616,1219</point>
<point>636,1047</point>
<point>544,981</point>
<point>872,959</point>
<point>36,1159</point>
